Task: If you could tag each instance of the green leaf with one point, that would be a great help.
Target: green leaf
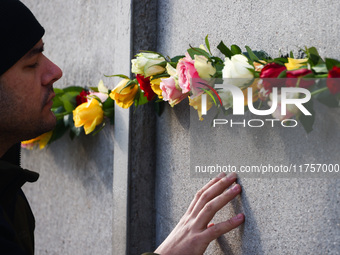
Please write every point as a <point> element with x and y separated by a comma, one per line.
<point>197,51</point>
<point>162,75</point>
<point>225,50</point>
<point>68,120</point>
<point>75,89</point>
<point>261,55</point>
<point>117,75</point>
<point>130,83</point>
<point>175,59</point>
<point>57,102</point>
<point>140,99</point>
<point>235,49</point>
<point>291,55</point>
<point>154,52</point>
<point>58,131</point>
<point>330,63</point>
<point>280,61</point>
<point>94,89</point>
<point>109,109</point>
<point>313,56</point>
<point>109,103</point>
<point>76,130</point>
<point>68,106</point>
<point>207,44</point>
<point>209,93</point>
<point>307,121</point>
<point>251,54</point>
<point>59,109</point>
<point>61,115</point>
<point>320,68</point>
<point>218,73</point>
<point>109,112</point>
<point>216,61</point>
<point>283,74</point>
<point>69,101</point>
<point>58,91</point>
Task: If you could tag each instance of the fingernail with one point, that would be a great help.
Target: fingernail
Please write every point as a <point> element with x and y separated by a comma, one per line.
<point>221,175</point>
<point>239,216</point>
<point>232,175</point>
<point>236,188</point>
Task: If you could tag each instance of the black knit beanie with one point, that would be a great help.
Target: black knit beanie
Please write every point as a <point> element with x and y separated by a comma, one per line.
<point>19,30</point>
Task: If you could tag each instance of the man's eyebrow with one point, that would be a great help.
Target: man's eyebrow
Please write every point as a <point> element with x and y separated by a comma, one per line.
<point>35,51</point>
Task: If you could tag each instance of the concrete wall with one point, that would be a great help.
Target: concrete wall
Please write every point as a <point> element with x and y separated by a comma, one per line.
<point>283,216</point>
<point>84,205</point>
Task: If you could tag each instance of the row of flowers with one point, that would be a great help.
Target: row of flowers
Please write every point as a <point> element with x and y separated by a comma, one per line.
<point>160,79</point>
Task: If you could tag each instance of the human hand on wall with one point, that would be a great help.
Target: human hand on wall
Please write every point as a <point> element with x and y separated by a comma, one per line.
<point>192,234</point>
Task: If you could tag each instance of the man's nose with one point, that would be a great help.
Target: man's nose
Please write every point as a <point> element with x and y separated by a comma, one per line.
<point>51,72</point>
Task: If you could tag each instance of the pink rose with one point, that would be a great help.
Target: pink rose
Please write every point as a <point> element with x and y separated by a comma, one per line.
<point>186,70</point>
<point>101,96</point>
<point>170,92</point>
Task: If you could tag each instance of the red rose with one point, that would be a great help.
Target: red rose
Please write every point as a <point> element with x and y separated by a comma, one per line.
<point>144,83</point>
<point>272,70</point>
<point>82,97</point>
<point>298,74</point>
<point>334,84</point>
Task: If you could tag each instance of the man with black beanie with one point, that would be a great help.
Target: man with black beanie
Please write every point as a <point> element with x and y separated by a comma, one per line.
<point>26,93</point>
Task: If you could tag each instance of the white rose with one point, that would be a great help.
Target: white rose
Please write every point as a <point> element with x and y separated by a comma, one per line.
<point>237,67</point>
<point>147,64</point>
<point>171,70</point>
<point>227,99</point>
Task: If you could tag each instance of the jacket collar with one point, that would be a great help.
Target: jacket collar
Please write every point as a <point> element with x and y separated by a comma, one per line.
<point>13,176</point>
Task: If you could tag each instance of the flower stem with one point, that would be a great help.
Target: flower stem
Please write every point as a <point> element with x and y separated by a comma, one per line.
<point>318,91</point>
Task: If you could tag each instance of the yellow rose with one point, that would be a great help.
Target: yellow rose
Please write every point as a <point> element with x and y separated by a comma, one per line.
<point>124,97</point>
<point>204,67</point>
<point>196,102</point>
<point>155,86</point>
<point>258,67</point>
<point>41,140</point>
<point>295,63</point>
<point>89,115</point>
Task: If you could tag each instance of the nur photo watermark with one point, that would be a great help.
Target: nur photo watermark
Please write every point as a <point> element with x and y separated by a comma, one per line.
<point>237,115</point>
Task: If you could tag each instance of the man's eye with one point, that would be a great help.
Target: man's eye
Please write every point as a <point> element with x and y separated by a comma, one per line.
<point>34,65</point>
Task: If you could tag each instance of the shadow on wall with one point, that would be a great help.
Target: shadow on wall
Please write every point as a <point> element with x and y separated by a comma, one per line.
<point>182,113</point>
<point>233,243</point>
<point>87,159</point>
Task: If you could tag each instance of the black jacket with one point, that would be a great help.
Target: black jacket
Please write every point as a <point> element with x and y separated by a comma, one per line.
<point>16,219</point>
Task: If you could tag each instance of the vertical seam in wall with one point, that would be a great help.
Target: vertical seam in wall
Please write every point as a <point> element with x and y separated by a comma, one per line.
<point>121,162</point>
<point>129,139</point>
<point>142,198</point>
